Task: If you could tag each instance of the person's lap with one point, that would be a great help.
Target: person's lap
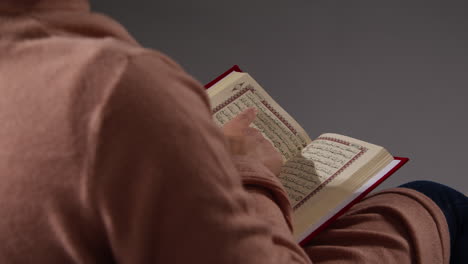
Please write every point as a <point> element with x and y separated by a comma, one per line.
<point>454,205</point>
<point>393,226</point>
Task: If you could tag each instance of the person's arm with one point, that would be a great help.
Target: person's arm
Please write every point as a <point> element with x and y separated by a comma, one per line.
<point>165,186</point>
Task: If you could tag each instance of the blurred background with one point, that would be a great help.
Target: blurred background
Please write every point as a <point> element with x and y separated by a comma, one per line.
<point>393,73</point>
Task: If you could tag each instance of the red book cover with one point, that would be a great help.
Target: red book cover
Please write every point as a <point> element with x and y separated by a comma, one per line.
<point>224,74</point>
<point>366,189</point>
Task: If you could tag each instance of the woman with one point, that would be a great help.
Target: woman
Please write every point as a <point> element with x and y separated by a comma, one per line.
<point>109,155</point>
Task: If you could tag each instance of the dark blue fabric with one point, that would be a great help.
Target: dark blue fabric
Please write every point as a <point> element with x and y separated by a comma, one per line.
<point>455,207</point>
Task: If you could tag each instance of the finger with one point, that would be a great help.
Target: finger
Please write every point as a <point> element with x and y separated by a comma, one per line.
<point>243,120</point>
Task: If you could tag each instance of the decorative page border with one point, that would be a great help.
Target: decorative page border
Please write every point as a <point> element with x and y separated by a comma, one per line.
<point>323,184</point>
<point>249,87</point>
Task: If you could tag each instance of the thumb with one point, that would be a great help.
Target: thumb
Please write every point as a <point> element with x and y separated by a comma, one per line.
<point>239,123</point>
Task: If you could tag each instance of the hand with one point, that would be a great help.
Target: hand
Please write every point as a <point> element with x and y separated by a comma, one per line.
<point>249,142</point>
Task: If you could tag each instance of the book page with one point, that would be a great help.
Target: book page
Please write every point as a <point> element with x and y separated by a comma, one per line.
<point>288,137</point>
<point>317,165</point>
<point>339,165</point>
<point>341,207</point>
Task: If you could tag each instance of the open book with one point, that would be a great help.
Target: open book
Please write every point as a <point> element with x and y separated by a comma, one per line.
<point>323,177</point>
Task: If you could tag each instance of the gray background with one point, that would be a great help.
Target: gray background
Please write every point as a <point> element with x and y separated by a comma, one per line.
<point>392,73</point>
